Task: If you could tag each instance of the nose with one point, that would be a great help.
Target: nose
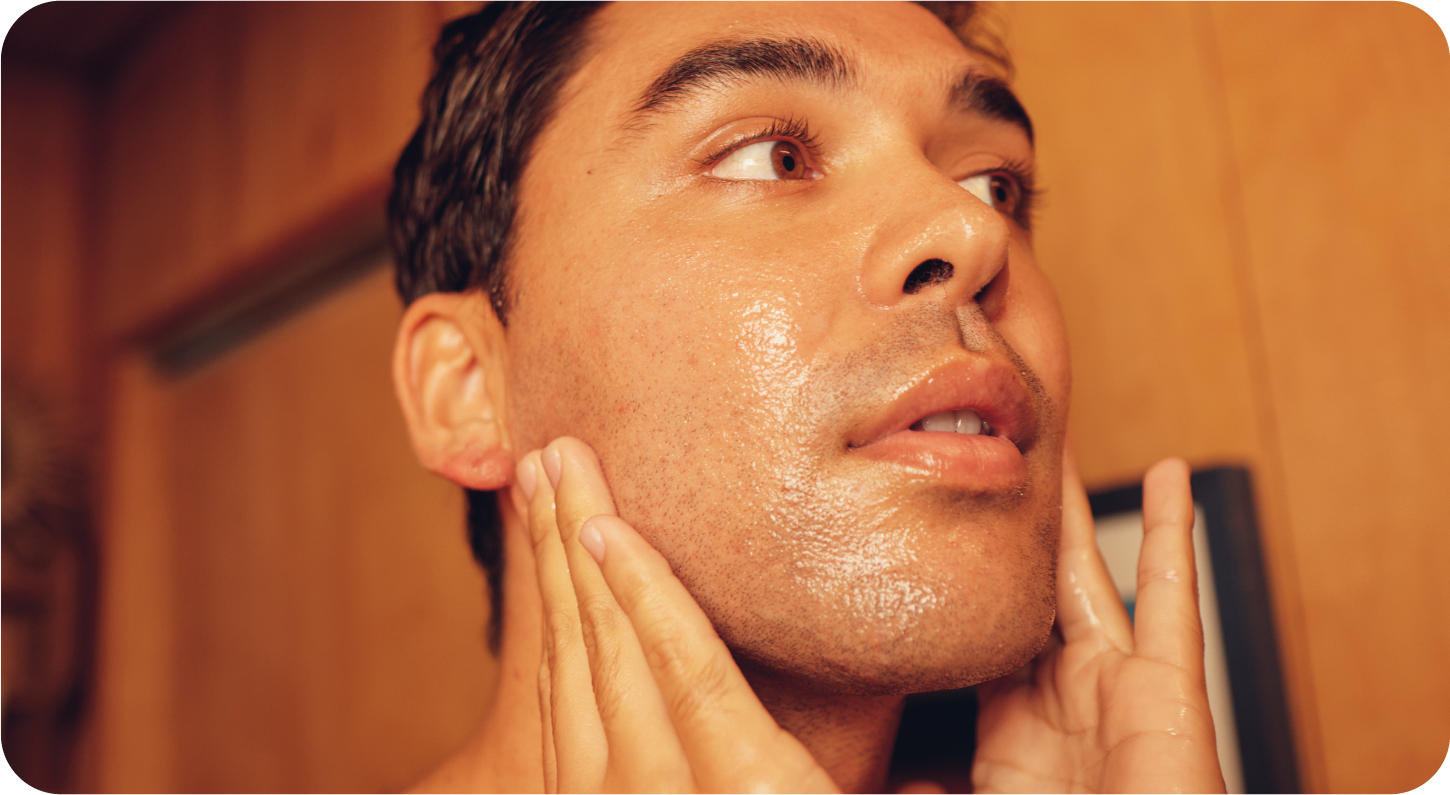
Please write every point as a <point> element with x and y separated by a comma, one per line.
<point>935,242</point>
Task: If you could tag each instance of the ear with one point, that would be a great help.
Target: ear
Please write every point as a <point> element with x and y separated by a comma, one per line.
<point>448,368</point>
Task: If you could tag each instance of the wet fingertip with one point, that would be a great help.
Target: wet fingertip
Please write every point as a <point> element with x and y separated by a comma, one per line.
<point>521,502</point>
<point>528,476</point>
<point>593,540</point>
<point>553,464</point>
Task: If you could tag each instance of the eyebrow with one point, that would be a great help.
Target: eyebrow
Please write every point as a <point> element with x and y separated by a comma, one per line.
<point>805,60</point>
<point>718,64</point>
<point>989,96</point>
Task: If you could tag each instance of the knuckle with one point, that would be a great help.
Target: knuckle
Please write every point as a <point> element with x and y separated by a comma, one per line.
<point>666,655</point>
<point>604,629</point>
<point>563,623</point>
<point>540,526</point>
<point>606,662</point>
<point>639,596</point>
<point>569,525</point>
<point>1168,576</point>
<point>702,681</point>
<point>601,612</point>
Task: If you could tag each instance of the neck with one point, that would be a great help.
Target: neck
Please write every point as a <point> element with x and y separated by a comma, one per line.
<point>850,736</point>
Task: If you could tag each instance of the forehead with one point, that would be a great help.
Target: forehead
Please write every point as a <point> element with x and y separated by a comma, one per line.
<point>890,47</point>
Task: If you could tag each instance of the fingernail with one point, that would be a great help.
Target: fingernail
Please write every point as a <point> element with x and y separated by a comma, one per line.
<point>528,477</point>
<point>553,465</point>
<point>593,540</point>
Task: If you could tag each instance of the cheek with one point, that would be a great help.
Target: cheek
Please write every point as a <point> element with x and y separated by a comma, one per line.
<point>1032,323</point>
<point>697,337</point>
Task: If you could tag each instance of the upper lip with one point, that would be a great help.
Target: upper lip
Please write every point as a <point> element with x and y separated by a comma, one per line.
<point>988,386</point>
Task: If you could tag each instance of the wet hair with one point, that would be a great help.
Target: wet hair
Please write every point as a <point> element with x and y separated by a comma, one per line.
<point>455,188</point>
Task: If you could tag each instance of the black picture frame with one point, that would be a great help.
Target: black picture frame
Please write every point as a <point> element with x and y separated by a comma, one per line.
<point>938,730</point>
<point>1251,645</point>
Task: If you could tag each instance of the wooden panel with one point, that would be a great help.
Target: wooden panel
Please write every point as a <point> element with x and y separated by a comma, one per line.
<point>239,122</point>
<point>50,418</point>
<point>43,223</point>
<point>1133,233</point>
<point>1245,220</point>
<point>1340,116</point>
<point>133,727</point>
<point>1141,231</point>
<point>317,621</point>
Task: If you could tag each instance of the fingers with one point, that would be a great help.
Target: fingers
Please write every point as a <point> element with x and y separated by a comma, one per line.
<point>546,706</point>
<point>580,752</point>
<point>1088,604</point>
<point>644,751</point>
<point>728,736</point>
<point>1168,627</point>
<point>673,709</point>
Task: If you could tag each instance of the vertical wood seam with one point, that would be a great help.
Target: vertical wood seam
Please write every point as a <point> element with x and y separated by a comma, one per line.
<point>1291,623</point>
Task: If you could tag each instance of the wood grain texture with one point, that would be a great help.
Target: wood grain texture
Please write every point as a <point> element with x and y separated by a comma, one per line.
<point>1133,233</point>
<point>321,618</point>
<point>42,230</point>
<point>1141,233</point>
<point>134,726</point>
<point>240,122</point>
<point>1342,139</point>
<point>1245,220</point>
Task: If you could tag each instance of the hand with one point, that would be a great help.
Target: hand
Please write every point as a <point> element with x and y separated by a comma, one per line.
<point>637,691</point>
<point>1110,706</point>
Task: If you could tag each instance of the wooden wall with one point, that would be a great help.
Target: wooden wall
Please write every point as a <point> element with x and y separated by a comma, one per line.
<point>289,604</point>
<point>292,604</point>
<point>45,159</point>
<point>238,127</point>
<point>1244,218</point>
<point>50,426</point>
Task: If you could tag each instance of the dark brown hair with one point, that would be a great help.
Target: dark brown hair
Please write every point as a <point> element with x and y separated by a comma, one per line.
<point>451,213</point>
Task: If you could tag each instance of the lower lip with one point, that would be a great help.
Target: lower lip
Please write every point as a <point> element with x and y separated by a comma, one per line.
<point>966,461</point>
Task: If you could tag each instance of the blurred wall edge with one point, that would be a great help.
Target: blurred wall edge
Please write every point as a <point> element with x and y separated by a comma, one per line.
<point>1245,218</point>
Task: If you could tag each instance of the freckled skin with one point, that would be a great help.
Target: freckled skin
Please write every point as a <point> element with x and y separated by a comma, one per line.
<point>717,343</point>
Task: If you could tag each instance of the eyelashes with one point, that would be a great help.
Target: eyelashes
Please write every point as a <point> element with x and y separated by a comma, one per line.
<point>1023,175</point>
<point>798,131</point>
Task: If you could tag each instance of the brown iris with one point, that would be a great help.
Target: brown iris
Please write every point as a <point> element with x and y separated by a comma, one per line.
<point>786,158</point>
<point>1004,195</point>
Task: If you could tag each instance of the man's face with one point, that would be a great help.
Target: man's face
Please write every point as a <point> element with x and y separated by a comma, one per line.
<point>724,293</point>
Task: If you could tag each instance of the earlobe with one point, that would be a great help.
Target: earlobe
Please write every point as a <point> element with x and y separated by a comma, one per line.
<point>448,368</point>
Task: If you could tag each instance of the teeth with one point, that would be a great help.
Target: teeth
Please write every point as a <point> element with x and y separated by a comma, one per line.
<point>968,421</point>
<point>963,421</point>
<point>941,421</point>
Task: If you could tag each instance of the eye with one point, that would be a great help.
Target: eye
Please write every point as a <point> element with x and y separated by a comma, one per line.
<point>996,190</point>
<point>766,160</point>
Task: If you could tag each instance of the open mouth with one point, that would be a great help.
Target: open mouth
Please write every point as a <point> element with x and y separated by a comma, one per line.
<point>964,424</point>
<point>959,421</point>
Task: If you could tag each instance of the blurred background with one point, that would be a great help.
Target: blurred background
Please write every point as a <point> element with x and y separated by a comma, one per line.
<point>224,570</point>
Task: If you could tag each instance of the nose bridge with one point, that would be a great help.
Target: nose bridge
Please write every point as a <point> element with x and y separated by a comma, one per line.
<point>932,233</point>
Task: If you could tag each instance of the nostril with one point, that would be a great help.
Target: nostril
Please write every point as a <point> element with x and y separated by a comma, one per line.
<point>933,271</point>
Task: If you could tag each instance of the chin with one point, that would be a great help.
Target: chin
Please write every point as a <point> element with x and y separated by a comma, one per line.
<point>905,667</point>
<point>971,613</point>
